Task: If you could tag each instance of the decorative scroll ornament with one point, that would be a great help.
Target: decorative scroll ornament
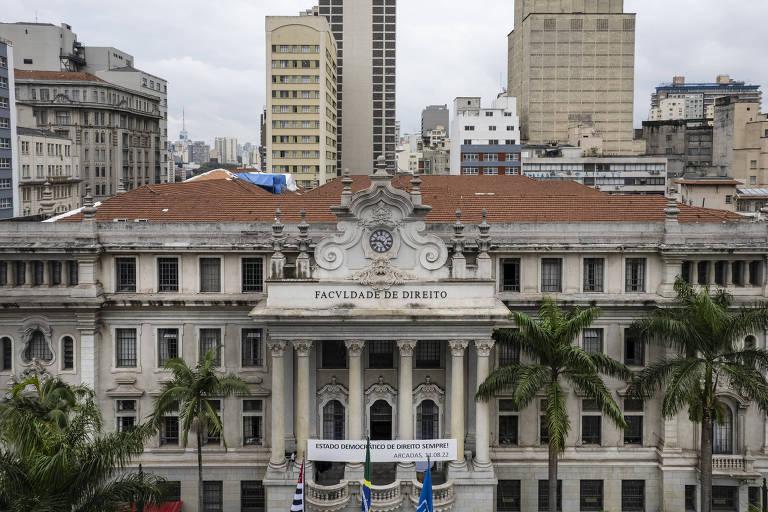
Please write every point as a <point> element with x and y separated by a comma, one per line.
<point>381,275</point>
<point>380,216</point>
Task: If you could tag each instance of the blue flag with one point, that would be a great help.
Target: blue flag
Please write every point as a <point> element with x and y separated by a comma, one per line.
<point>425,499</point>
<point>365,504</point>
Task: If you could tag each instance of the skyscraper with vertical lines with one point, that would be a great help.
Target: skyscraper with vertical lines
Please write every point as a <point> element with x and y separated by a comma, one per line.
<point>365,32</point>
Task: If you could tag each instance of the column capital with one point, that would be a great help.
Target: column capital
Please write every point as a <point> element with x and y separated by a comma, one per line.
<point>277,347</point>
<point>406,347</point>
<point>302,347</point>
<point>484,347</point>
<point>354,347</point>
<point>458,347</point>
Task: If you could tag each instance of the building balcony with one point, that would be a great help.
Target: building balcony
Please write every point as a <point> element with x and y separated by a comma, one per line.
<point>734,466</point>
<point>394,497</point>
<point>327,498</point>
<point>442,496</point>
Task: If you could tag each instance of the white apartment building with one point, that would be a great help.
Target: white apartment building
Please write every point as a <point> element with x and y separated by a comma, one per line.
<point>226,149</point>
<point>474,125</point>
<point>49,173</point>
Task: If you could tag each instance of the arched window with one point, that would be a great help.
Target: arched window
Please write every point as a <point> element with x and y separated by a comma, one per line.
<point>67,353</point>
<point>427,420</point>
<point>722,435</point>
<point>6,354</point>
<point>381,421</point>
<point>37,348</point>
<point>333,420</point>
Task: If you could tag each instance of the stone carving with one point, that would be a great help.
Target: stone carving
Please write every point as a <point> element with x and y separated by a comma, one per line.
<point>355,347</point>
<point>302,347</point>
<point>428,390</point>
<point>458,347</point>
<point>406,347</point>
<point>277,347</point>
<point>381,275</point>
<point>484,347</point>
<point>332,391</point>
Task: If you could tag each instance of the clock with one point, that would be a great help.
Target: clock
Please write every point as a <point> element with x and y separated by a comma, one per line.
<point>381,240</point>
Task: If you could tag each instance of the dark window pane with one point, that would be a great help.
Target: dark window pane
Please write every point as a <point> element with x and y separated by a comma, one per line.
<point>252,496</point>
<point>212,496</point>
<point>428,420</point>
<point>591,495</point>
<point>68,353</point>
<point>55,270</point>
<point>510,275</point>
<point>251,347</point>
<point>507,430</point>
<point>381,354</point>
<point>253,425</point>
<point>210,339</point>
<point>210,275</point>
<point>724,497</point>
<point>171,490</point>
<point>428,354</point>
<point>168,274</point>
<point>593,340</point>
<point>508,496</point>
<point>37,348</point>
<point>632,495</point>
<point>6,347</point>
<point>168,345</point>
<point>508,354</point>
<point>544,495</point>
<point>635,275</point>
<point>334,354</point>
<point>551,275</point>
<point>169,431</point>
<point>690,498</point>
<point>634,349</point>
<point>125,348</point>
<point>333,420</point>
<point>73,270</point>
<point>252,275</point>
<point>126,274</point>
<point>593,274</point>
<point>591,429</point>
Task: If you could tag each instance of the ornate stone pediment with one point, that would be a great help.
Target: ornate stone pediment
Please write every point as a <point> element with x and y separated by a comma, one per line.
<point>381,240</point>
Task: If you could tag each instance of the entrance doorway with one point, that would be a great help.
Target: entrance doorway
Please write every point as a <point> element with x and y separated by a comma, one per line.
<point>381,421</point>
<point>380,429</point>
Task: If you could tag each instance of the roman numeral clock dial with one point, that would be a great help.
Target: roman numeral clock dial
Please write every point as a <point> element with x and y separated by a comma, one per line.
<point>381,240</point>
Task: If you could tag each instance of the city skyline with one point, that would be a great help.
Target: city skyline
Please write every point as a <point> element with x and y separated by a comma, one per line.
<point>217,75</point>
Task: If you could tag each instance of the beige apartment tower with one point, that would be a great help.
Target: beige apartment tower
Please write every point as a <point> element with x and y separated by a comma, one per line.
<point>573,62</point>
<point>301,98</point>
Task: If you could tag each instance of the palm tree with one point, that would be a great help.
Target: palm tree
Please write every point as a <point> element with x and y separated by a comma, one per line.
<point>708,335</point>
<point>54,455</point>
<point>555,361</point>
<point>191,392</point>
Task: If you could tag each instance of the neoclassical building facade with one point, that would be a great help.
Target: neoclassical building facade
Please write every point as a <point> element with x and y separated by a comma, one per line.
<point>366,308</point>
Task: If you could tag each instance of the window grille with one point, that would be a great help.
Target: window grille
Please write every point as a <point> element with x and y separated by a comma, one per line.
<point>253,422</point>
<point>210,274</point>
<point>252,275</point>
<point>427,354</point>
<point>168,274</point>
<point>551,275</point>
<point>168,345</point>
<point>125,348</point>
<point>251,348</point>
<point>210,339</point>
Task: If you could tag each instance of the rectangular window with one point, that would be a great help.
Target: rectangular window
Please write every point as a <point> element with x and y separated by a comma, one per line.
<point>753,496</point>
<point>632,495</point>
<point>252,275</point>
<point>167,345</point>
<point>251,352</point>
<point>334,354</point>
<point>125,348</point>
<point>635,275</point>
<point>68,353</point>
<point>550,24</point>
<point>252,496</point>
<point>6,351</point>
<point>381,354</point>
<point>126,412</point>
<point>213,496</point>
<point>126,274</point>
<point>507,423</point>
<point>633,434</point>
<point>212,437</point>
<point>543,427</point>
<point>210,275</point>
<point>508,354</point>
<point>171,490</point>
<point>634,349</point>
<point>427,354</point>
<point>690,498</point>
<point>591,495</point>
<point>551,275</point>
<point>510,274</point>
<point>724,497</point>
<point>167,274</point>
<point>593,274</point>
<point>544,495</point>
<point>591,423</point>
<point>253,422</point>
<point>210,339</point>
<point>508,496</point>
<point>592,341</point>
<point>755,274</point>
<point>73,277</point>
<point>169,431</point>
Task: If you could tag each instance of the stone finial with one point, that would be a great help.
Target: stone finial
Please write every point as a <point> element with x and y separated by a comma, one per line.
<point>381,166</point>
<point>303,267</point>
<point>671,211</point>
<point>47,203</point>
<point>89,210</point>
<point>458,226</point>
<point>484,227</point>
<point>121,186</point>
<point>303,225</point>
<point>346,193</point>
<point>416,189</point>
<point>277,226</point>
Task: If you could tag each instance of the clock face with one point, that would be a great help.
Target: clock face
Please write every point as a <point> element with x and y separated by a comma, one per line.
<point>381,240</point>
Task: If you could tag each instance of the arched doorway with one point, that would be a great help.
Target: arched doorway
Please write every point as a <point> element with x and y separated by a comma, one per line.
<point>380,427</point>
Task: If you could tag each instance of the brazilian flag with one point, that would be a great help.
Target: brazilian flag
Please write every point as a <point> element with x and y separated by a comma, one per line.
<point>365,505</point>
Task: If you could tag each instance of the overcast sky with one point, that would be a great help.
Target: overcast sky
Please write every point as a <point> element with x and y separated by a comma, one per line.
<point>212,53</point>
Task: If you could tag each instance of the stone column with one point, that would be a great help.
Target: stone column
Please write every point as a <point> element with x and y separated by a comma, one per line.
<point>457,398</point>
<point>482,414</point>
<point>28,273</point>
<point>302,415</point>
<point>277,459</point>
<point>354,471</point>
<point>88,353</point>
<point>728,273</point>
<point>711,272</point>
<point>405,470</point>
<point>46,273</point>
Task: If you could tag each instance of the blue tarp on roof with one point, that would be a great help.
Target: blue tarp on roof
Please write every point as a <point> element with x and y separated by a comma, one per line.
<point>275,183</point>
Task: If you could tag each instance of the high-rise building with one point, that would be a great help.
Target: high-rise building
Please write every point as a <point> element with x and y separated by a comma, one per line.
<point>301,130</point>
<point>432,117</point>
<point>485,140</point>
<point>571,61</point>
<point>47,47</point>
<point>365,33</point>
<point>226,149</point>
<point>9,204</point>
<point>681,100</point>
<point>740,140</point>
<point>199,152</point>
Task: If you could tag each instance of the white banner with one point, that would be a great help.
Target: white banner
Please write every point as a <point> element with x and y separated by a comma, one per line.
<point>396,450</point>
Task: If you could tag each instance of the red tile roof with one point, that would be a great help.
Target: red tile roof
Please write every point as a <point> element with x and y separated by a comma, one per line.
<point>506,198</point>
<point>67,76</point>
